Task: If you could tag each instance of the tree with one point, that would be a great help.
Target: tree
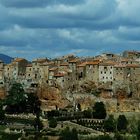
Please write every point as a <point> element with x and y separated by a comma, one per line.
<point>110,124</point>
<point>138,130</point>
<point>68,134</point>
<point>99,111</point>
<point>118,136</point>
<point>38,124</point>
<point>122,123</point>
<point>2,114</point>
<point>87,113</point>
<point>16,99</point>
<point>36,108</point>
<point>52,122</point>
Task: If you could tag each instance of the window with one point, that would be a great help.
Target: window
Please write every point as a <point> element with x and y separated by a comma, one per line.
<point>105,68</point>
<point>110,72</point>
<point>105,72</point>
<point>35,76</point>
<point>101,72</point>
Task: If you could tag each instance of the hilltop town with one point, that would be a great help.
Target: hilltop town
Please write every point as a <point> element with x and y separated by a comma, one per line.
<point>69,80</point>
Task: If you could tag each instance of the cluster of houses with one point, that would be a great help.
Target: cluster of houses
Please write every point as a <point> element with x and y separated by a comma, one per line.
<point>69,71</point>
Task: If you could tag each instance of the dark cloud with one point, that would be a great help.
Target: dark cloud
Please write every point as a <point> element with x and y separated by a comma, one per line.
<point>37,28</point>
<point>37,3</point>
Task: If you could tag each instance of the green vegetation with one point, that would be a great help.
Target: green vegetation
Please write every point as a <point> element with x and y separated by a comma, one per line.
<point>52,122</point>
<point>87,113</point>
<point>122,123</point>
<point>2,114</point>
<point>138,130</point>
<point>110,124</point>
<point>10,136</point>
<point>16,99</point>
<point>68,134</point>
<point>99,111</point>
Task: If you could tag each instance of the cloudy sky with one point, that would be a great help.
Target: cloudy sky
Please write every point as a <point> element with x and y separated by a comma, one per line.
<point>50,28</point>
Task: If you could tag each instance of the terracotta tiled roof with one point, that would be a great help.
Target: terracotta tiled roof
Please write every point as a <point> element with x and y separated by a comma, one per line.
<point>133,65</point>
<point>53,69</point>
<point>81,65</point>
<point>64,64</point>
<point>120,66</point>
<point>59,75</point>
<point>18,59</point>
<point>133,52</point>
<point>96,62</point>
<point>29,65</point>
<point>74,60</point>
<point>92,63</point>
<point>40,60</point>
<point>109,63</point>
<point>125,60</point>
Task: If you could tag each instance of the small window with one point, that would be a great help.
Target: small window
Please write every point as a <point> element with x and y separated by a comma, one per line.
<point>105,68</point>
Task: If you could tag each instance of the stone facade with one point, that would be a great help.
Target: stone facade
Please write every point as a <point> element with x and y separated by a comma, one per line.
<point>106,72</point>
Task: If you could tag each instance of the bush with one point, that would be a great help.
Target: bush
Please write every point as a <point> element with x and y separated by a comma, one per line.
<point>99,111</point>
<point>87,113</point>
<point>110,124</point>
<point>52,123</point>
<point>122,123</point>
<point>68,134</point>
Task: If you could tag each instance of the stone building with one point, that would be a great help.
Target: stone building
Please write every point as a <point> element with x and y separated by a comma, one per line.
<point>132,54</point>
<point>16,70</point>
<point>119,73</point>
<point>106,72</point>
<point>1,73</point>
<point>37,72</point>
<point>92,71</point>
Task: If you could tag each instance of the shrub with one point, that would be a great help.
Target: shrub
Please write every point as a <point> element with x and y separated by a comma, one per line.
<point>52,123</point>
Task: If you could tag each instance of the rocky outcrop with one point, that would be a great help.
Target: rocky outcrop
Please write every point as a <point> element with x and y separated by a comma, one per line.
<point>52,98</point>
<point>2,93</point>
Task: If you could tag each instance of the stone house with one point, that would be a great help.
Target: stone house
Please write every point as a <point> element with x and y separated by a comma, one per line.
<point>106,72</point>
<point>1,72</point>
<point>16,70</point>
<point>92,71</point>
<point>131,54</point>
<point>119,73</point>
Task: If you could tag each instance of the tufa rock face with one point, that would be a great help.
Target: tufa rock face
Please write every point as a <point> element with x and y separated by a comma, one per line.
<point>2,93</point>
<point>52,98</point>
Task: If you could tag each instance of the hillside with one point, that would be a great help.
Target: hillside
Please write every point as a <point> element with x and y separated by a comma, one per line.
<point>5,58</point>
